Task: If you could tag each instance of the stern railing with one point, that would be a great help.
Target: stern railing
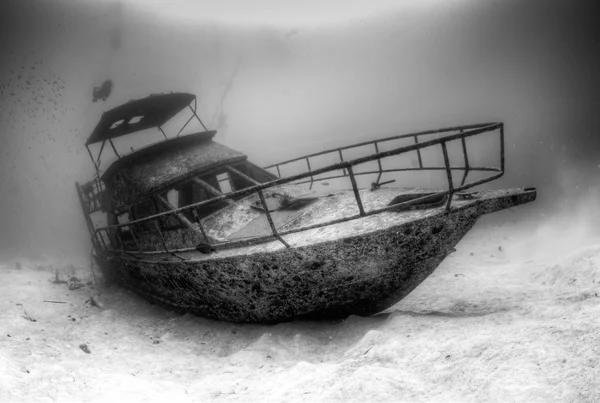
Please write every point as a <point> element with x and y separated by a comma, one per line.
<point>91,194</point>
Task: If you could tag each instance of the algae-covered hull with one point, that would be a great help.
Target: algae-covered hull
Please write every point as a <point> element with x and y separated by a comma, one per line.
<point>355,272</point>
<point>191,224</point>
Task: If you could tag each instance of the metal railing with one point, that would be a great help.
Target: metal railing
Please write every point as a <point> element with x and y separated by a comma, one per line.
<point>376,143</point>
<point>92,193</point>
<point>461,133</point>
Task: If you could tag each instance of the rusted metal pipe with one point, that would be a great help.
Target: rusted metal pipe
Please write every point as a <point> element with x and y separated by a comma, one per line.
<point>270,219</point>
<point>356,193</point>
<point>448,174</point>
<point>419,153</point>
<point>466,156</point>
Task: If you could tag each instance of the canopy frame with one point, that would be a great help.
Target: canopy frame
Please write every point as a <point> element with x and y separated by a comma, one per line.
<point>116,122</point>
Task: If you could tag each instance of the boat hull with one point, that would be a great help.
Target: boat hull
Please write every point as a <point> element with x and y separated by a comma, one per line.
<point>362,274</point>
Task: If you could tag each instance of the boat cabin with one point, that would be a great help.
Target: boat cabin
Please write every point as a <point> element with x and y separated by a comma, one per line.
<point>173,173</point>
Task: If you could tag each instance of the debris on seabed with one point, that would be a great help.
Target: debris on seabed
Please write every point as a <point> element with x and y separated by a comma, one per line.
<point>57,279</point>
<point>74,283</point>
<point>95,302</point>
<point>27,316</point>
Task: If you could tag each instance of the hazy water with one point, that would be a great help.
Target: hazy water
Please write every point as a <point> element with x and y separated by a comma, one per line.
<point>277,86</point>
<point>490,324</point>
<point>509,316</point>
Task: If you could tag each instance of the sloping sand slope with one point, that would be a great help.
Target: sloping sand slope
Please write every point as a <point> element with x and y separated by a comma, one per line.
<point>511,316</point>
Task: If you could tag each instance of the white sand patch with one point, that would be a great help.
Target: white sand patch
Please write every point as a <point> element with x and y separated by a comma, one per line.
<point>500,320</point>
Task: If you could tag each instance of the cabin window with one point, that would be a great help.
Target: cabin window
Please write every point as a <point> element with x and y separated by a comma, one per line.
<point>258,174</point>
<point>224,183</point>
<point>123,219</point>
<point>117,123</point>
<point>190,193</point>
<point>125,231</point>
<point>173,197</point>
<point>193,192</point>
<point>135,119</point>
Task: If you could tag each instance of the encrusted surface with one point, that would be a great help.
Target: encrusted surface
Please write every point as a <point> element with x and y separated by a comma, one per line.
<point>134,182</point>
<point>357,267</point>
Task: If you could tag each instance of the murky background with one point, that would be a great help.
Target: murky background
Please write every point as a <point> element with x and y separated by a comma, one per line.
<point>278,81</point>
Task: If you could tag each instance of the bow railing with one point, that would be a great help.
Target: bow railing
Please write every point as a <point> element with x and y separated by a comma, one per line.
<point>343,169</point>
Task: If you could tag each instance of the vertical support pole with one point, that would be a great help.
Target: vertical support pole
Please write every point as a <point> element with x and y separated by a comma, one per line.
<point>449,174</point>
<point>342,160</point>
<point>132,229</point>
<point>94,162</point>
<point>156,211</point>
<point>100,154</point>
<point>135,239</point>
<point>94,241</point>
<point>264,204</point>
<point>466,155</point>
<point>378,162</point>
<point>102,238</point>
<point>114,149</point>
<point>278,172</point>
<point>88,221</point>
<point>419,153</point>
<point>355,189</point>
<point>270,219</point>
<point>118,238</point>
<point>163,132</point>
<point>311,178</point>
<point>162,238</point>
<point>200,226</point>
<point>502,147</point>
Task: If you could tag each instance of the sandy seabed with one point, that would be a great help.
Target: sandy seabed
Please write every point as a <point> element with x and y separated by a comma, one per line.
<point>512,315</point>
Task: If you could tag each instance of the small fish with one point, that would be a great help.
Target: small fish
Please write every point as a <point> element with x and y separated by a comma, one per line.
<point>205,248</point>
<point>325,183</point>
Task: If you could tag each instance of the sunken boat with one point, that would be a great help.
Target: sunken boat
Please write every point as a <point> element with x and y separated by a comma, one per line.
<point>193,225</point>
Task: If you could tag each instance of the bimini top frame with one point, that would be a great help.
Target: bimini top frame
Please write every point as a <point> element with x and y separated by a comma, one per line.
<point>137,115</point>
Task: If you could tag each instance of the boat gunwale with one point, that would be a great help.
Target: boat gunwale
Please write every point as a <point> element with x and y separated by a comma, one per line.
<point>470,204</point>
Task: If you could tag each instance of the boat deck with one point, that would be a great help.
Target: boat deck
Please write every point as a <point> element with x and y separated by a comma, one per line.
<point>328,207</point>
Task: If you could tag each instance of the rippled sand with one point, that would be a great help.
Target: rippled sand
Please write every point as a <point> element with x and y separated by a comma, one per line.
<point>512,315</point>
